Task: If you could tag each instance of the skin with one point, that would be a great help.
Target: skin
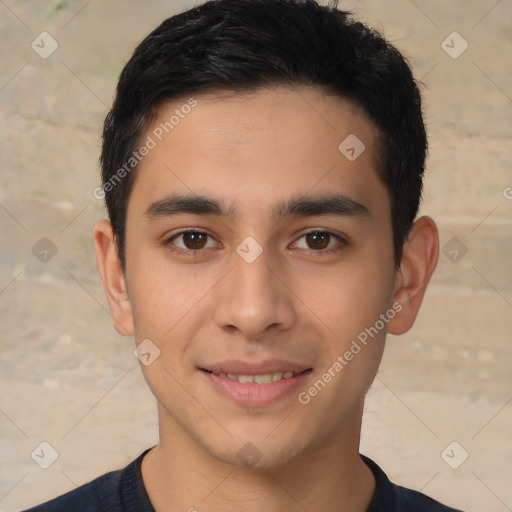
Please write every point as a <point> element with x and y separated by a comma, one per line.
<point>295,302</point>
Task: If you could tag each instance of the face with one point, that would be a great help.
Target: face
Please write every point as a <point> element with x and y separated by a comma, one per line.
<point>256,247</point>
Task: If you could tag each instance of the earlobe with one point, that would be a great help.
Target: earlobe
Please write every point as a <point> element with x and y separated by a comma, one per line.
<point>419,260</point>
<point>113,278</point>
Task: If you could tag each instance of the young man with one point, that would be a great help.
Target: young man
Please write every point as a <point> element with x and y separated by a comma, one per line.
<point>262,168</point>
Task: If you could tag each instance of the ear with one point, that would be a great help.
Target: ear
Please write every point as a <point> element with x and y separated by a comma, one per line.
<point>419,260</point>
<point>113,278</point>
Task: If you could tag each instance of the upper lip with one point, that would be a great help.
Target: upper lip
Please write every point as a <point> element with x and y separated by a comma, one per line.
<point>239,367</point>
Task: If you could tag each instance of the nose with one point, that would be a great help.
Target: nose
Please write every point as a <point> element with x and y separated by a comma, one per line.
<point>254,300</point>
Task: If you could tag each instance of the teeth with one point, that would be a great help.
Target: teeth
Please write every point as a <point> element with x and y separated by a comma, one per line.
<point>257,379</point>
<point>263,379</point>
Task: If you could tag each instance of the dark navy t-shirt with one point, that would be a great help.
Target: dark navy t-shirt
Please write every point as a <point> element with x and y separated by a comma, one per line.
<point>123,491</point>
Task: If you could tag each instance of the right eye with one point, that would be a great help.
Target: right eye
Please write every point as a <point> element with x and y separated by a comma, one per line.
<point>189,241</point>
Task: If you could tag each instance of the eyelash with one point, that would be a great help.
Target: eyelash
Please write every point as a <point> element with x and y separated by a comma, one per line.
<point>190,252</point>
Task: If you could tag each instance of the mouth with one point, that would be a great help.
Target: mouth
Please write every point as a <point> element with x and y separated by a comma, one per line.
<point>264,378</point>
<point>257,386</point>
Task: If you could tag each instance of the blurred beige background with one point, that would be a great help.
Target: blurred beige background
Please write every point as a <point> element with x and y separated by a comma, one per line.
<point>69,380</point>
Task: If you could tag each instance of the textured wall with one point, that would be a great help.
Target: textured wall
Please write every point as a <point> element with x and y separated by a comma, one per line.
<point>68,379</point>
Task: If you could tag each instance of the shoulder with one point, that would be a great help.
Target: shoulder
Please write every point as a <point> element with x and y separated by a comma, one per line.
<point>89,497</point>
<point>115,491</point>
<point>389,497</point>
<point>414,501</point>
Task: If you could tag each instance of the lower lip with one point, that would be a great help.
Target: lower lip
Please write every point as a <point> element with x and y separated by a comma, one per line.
<point>256,395</point>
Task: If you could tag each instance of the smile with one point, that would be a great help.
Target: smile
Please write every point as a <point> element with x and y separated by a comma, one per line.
<point>257,390</point>
<point>257,379</point>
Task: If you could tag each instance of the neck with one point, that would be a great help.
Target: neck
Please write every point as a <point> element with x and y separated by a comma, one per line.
<point>180,475</point>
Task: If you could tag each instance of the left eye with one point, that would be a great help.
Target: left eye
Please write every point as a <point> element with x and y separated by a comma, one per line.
<point>318,240</point>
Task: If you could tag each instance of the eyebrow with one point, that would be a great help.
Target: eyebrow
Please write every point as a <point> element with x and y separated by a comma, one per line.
<point>302,206</point>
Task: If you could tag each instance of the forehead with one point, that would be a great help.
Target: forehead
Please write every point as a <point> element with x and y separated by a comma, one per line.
<point>252,147</point>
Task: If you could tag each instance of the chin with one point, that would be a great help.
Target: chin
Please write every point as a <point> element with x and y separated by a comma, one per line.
<point>258,452</point>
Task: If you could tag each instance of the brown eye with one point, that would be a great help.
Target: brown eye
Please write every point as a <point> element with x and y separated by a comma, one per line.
<point>318,239</point>
<point>194,240</point>
<point>190,241</point>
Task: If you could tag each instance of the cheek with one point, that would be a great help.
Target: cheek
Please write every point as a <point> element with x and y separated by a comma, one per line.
<point>346,298</point>
<point>161,294</point>
<point>351,305</point>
